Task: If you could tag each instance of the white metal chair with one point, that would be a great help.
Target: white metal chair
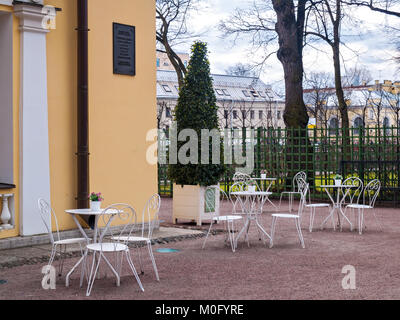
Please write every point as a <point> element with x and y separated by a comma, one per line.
<point>149,221</point>
<point>351,192</point>
<point>313,207</point>
<point>228,220</point>
<point>296,217</point>
<point>47,215</point>
<point>295,189</point>
<point>122,213</point>
<point>370,194</point>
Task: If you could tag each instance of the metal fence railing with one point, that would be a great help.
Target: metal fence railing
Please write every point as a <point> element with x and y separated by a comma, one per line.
<point>369,153</point>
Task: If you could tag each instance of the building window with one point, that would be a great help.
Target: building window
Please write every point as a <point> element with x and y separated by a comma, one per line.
<point>371,114</point>
<point>254,93</point>
<point>226,92</point>
<point>219,92</point>
<point>333,126</point>
<point>244,114</point>
<point>246,93</point>
<point>386,125</point>
<point>269,114</point>
<point>252,114</point>
<point>168,112</point>
<point>358,123</point>
<point>225,114</point>
<point>166,88</point>
<point>260,114</point>
<point>279,115</point>
<point>234,114</point>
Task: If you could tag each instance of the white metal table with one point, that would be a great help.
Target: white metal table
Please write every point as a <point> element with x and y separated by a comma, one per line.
<point>86,212</point>
<point>249,207</point>
<point>271,181</point>
<point>336,205</point>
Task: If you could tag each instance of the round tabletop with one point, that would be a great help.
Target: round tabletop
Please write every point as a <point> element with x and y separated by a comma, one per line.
<point>268,179</point>
<point>248,193</point>
<point>90,212</point>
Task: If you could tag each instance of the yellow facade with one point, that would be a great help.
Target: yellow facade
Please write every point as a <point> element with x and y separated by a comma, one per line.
<point>117,139</point>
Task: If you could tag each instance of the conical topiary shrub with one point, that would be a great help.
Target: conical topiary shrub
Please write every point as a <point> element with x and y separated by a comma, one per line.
<point>197,110</point>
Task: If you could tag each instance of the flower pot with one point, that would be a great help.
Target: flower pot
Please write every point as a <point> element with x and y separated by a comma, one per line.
<point>95,205</point>
<point>338,182</point>
<point>263,176</point>
<point>251,189</point>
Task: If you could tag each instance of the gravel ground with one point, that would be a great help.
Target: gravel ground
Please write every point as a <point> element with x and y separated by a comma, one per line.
<point>252,273</point>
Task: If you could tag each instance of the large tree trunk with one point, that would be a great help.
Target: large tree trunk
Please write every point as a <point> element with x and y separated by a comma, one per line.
<point>290,54</point>
<point>290,33</point>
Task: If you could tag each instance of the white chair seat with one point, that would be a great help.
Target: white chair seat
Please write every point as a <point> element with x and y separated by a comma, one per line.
<point>359,206</point>
<point>285,215</point>
<point>227,218</point>
<point>318,205</point>
<point>107,247</point>
<point>70,241</point>
<point>131,239</point>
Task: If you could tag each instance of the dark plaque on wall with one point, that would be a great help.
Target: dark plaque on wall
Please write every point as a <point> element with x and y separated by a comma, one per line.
<point>124,49</point>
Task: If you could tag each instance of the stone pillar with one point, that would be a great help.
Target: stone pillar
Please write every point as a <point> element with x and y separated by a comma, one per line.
<point>33,122</point>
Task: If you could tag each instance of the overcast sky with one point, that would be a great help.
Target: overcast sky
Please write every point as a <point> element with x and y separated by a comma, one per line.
<point>373,49</point>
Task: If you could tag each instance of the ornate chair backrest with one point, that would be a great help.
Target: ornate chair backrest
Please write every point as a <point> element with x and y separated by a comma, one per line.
<point>47,215</point>
<point>150,215</point>
<point>126,218</point>
<point>224,200</point>
<point>241,177</point>
<point>237,187</point>
<point>299,181</point>
<point>304,188</point>
<point>371,192</point>
<point>352,190</point>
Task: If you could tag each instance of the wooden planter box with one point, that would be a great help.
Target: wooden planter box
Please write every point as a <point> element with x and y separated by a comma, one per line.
<point>189,204</point>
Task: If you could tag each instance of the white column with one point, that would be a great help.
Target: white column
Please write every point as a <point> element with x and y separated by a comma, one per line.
<point>33,122</point>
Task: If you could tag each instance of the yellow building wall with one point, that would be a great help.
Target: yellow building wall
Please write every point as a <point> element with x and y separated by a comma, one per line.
<point>16,76</point>
<point>121,108</point>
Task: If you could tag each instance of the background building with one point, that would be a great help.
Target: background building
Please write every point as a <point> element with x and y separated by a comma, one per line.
<point>244,102</point>
<point>376,105</point>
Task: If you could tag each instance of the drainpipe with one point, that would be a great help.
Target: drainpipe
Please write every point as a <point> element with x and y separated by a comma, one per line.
<point>83,106</point>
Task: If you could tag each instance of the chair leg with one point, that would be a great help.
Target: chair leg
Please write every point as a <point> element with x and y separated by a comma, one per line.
<point>298,226</point>
<point>53,254</point>
<point>130,262</point>
<point>208,233</point>
<point>92,276</point>
<point>312,214</point>
<point>231,235</point>
<point>271,243</point>
<point>140,259</point>
<point>153,260</point>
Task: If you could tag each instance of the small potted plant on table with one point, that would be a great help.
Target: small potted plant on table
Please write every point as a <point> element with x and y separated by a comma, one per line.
<point>338,180</point>
<point>263,174</point>
<point>95,201</point>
